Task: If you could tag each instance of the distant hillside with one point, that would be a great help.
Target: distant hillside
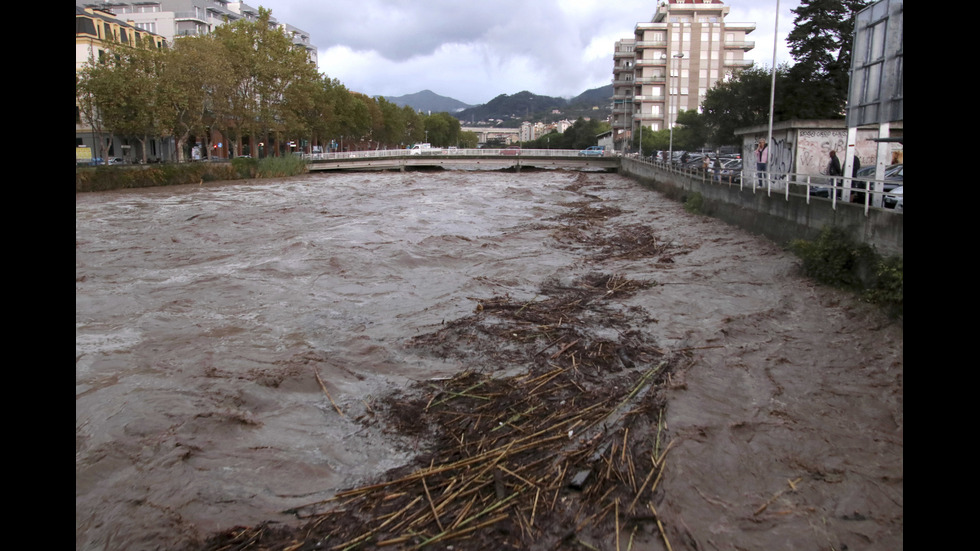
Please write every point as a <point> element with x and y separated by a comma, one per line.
<point>596,96</point>
<point>525,106</point>
<point>515,108</point>
<point>429,101</point>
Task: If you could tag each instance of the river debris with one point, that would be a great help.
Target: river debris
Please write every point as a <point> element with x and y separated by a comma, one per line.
<point>553,437</point>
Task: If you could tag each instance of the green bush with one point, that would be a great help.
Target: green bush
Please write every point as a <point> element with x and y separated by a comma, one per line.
<point>278,167</point>
<point>695,203</point>
<point>104,178</point>
<point>835,259</point>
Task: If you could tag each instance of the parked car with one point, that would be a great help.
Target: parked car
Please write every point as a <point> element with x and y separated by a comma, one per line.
<point>893,199</point>
<point>593,151</point>
<point>731,171</point>
<point>116,161</point>
<point>511,150</point>
<point>893,178</point>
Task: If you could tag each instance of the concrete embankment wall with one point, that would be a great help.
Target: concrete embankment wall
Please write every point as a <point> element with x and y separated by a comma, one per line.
<point>777,217</point>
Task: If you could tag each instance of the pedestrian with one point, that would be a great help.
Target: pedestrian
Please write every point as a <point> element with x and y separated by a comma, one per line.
<point>856,197</point>
<point>705,164</point>
<point>761,160</point>
<point>834,169</point>
<point>717,168</point>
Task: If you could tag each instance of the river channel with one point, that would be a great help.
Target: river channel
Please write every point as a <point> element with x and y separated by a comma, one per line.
<point>228,336</point>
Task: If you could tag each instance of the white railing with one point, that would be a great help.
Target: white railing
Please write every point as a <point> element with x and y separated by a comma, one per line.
<point>835,190</point>
<point>389,153</point>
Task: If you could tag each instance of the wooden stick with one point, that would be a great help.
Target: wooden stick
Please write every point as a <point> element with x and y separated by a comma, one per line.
<point>660,526</point>
<point>316,372</point>
<point>432,506</point>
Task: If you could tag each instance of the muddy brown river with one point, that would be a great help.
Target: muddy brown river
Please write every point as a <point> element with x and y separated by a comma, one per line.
<point>229,336</point>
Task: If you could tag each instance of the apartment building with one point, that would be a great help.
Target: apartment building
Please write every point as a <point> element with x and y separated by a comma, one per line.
<point>672,61</point>
<point>95,29</point>
<point>175,18</point>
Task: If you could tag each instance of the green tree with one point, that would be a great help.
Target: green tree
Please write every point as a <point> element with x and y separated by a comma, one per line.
<point>189,83</point>
<point>469,140</point>
<point>393,128</point>
<point>741,101</point>
<point>442,129</point>
<point>414,126</point>
<point>95,92</point>
<point>820,43</point>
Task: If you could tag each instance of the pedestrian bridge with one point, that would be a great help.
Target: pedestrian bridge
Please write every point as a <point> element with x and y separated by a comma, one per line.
<point>474,159</point>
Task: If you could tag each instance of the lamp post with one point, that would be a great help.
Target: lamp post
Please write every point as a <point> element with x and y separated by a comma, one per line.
<point>670,159</point>
<point>772,90</point>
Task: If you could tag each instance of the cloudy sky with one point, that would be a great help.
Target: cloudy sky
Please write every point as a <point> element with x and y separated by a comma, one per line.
<point>474,51</point>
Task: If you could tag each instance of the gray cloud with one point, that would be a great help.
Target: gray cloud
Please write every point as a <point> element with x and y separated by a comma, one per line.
<point>474,51</point>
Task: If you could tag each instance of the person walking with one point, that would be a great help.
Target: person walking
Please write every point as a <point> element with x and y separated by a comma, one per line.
<point>761,161</point>
<point>834,169</point>
<point>855,167</point>
<point>717,167</point>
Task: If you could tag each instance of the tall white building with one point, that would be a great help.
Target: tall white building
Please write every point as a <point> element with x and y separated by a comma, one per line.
<point>670,63</point>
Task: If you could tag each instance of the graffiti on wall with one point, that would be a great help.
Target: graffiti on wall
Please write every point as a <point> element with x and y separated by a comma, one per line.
<point>780,155</point>
<point>814,147</point>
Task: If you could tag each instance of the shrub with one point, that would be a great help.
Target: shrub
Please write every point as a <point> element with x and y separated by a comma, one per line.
<point>277,167</point>
<point>104,178</point>
<point>835,259</point>
<point>695,203</point>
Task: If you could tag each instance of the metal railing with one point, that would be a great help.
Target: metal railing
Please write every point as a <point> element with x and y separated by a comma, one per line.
<point>454,152</point>
<point>868,192</point>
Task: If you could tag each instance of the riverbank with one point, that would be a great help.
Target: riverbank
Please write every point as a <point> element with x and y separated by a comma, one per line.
<point>113,177</point>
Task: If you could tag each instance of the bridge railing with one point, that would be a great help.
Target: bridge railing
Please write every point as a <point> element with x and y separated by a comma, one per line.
<point>454,152</point>
<point>868,192</point>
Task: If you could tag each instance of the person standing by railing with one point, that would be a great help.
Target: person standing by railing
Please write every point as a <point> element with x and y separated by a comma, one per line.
<point>834,169</point>
<point>761,161</point>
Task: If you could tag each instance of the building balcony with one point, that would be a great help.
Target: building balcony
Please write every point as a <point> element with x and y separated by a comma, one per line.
<point>661,79</point>
<point>651,44</point>
<point>738,63</point>
<point>189,16</point>
<point>740,45</point>
<point>651,26</point>
<point>645,99</point>
<point>651,62</point>
<point>747,27</point>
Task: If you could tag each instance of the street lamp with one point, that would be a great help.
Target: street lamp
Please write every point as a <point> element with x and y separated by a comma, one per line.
<point>671,158</point>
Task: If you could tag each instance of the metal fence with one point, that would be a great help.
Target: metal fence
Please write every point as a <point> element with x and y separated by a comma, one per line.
<point>455,152</point>
<point>868,192</point>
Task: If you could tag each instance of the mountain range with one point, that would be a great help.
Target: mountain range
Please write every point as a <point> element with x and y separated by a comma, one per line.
<point>522,106</point>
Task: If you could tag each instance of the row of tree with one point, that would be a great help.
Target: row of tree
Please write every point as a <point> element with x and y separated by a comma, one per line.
<point>248,83</point>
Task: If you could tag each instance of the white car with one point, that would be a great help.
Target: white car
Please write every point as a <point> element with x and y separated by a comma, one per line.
<point>893,200</point>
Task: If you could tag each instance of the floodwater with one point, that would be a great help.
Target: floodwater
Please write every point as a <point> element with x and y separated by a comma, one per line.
<point>228,337</point>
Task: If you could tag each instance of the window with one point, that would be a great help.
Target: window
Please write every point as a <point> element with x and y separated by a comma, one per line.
<point>876,46</point>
